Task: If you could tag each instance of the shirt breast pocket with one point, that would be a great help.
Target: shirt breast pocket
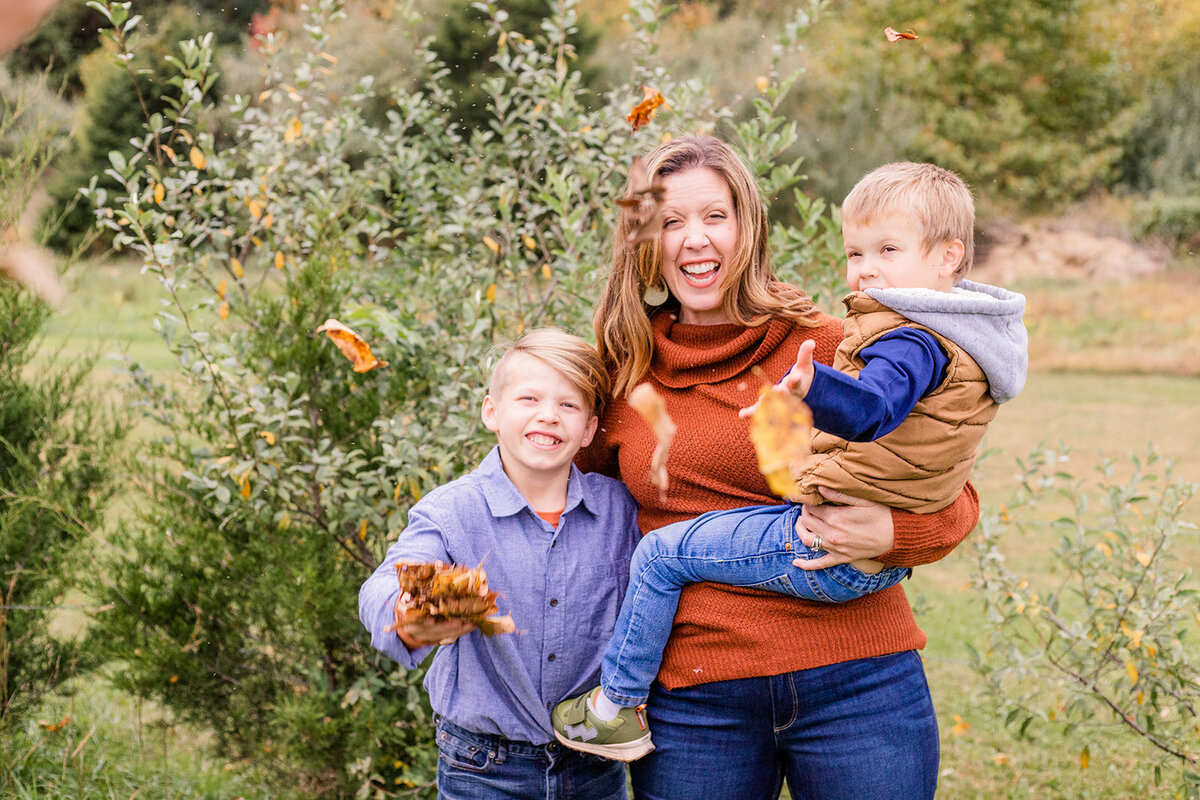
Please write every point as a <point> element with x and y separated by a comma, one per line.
<point>605,586</point>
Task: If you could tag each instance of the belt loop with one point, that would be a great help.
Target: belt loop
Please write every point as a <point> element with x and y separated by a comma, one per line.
<point>500,748</point>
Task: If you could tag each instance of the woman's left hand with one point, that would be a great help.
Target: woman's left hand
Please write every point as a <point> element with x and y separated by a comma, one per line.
<point>853,529</point>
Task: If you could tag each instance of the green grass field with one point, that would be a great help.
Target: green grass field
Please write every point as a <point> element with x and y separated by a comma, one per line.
<point>132,751</point>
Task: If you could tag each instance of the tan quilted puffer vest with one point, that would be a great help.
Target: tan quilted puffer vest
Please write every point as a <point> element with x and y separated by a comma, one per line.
<point>923,464</point>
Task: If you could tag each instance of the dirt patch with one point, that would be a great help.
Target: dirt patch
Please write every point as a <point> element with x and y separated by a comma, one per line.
<point>1010,252</point>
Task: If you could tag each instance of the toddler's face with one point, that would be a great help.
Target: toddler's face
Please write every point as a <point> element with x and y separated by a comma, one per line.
<point>886,253</point>
<point>540,418</point>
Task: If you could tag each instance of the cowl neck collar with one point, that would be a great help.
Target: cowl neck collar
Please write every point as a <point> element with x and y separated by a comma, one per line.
<point>690,355</point>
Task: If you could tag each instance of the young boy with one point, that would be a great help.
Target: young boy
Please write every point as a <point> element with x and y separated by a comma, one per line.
<point>925,361</point>
<point>556,544</point>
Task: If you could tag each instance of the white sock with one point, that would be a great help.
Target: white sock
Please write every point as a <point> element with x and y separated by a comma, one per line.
<point>604,708</point>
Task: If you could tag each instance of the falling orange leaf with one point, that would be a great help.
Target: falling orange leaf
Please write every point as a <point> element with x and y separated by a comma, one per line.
<point>54,726</point>
<point>33,269</point>
<point>643,112</point>
<point>643,203</point>
<point>196,156</point>
<point>351,345</point>
<point>894,35</point>
<point>781,430</point>
<point>649,403</point>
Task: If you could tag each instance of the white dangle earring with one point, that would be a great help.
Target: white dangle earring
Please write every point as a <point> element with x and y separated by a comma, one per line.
<point>655,295</point>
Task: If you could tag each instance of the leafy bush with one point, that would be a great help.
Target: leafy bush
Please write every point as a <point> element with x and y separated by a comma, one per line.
<point>57,443</point>
<point>1174,219</point>
<point>1113,642</point>
<point>280,476</point>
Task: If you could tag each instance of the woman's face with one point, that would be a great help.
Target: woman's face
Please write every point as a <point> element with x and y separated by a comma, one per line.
<point>699,239</point>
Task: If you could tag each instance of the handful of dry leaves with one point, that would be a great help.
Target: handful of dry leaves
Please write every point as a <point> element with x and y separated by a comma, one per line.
<point>443,592</point>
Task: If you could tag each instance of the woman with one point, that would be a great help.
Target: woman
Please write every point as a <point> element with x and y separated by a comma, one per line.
<point>755,686</point>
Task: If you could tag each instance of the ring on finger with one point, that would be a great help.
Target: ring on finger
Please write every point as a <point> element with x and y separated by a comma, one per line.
<point>816,545</point>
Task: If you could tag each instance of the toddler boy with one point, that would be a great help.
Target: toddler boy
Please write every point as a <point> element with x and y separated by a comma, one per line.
<point>557,545</point>
<point>926,360</point>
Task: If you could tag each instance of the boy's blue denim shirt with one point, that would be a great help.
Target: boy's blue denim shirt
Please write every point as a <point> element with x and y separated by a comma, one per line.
<point>563,588</point>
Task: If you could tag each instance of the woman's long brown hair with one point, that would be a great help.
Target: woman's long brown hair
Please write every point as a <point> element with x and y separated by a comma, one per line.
<point>752,294</point>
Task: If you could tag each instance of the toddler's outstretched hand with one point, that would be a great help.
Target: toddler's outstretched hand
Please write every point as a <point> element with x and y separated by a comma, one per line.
<point>798,379</point>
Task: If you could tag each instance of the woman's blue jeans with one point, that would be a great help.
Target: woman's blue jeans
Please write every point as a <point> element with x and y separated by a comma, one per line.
<point>751,546</point>
<point>858,730</point>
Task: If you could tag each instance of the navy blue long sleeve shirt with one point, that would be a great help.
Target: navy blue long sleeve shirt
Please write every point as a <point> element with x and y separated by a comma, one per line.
<point>901,367</point>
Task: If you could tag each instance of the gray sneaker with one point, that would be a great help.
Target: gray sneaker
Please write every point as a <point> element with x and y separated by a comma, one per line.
<point>626,738</point>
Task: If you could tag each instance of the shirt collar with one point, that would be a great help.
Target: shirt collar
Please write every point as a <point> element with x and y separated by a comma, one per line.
<point>504,499</point>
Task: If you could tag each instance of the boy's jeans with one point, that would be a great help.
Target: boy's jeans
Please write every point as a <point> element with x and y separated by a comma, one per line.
<point>751,546</point>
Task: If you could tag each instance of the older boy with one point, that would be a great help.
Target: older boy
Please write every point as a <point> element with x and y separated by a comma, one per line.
<point>925,361</point>
<point>557,544</point>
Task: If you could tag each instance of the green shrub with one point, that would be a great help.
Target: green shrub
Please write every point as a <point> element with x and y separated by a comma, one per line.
<point>1110,638</point>
<point>1173,219</point>
<point>280,476</point>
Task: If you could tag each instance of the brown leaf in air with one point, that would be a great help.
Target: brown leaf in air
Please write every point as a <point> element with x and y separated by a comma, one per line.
<point>781,430</point>
<point>444,592</point>
<point>643,112</point>
<point>33,269</point>
<point>649,403</point>
<point>643,203</point>
<point>351,345</point>
<point>894,35</point>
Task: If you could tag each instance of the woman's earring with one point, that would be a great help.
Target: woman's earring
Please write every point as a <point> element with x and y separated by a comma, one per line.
<point>655,295</point>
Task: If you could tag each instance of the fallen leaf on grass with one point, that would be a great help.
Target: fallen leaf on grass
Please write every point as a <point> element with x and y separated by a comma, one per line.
<point>351,345</point>
<point>444,592</point>
<point>781,430</point>
<point>649,403</point>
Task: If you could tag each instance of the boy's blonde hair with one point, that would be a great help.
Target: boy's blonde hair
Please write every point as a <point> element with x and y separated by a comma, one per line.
<point>935,196</point>
<point>572,357</point>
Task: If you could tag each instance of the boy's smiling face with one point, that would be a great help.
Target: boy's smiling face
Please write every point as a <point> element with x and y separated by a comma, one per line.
<point>540,418</point>
<point>887,253</point>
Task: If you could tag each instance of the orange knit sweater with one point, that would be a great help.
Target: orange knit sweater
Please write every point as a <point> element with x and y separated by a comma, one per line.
<point>706,374</point>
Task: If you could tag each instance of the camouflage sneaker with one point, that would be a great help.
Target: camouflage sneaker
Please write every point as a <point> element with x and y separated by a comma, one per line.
<point>626,738</point>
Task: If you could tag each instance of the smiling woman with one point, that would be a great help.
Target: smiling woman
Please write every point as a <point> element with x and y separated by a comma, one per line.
<point>699,233</point>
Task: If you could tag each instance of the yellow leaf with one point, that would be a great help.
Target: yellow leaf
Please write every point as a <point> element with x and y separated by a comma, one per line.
<point>245,487</point>
<point>1136,640</point>
<point>1085,757</point>
<point>255,209</point>
<point>264,95</point>
<point>278,259</point>
<point>196,156</point>
<point>223,311</point>
<point>170,153</point>
<point>530,243</point>
<point>1141,697</point>
<point>1132,669</point>
<point>270,437</point>
<point>221,288</point>
<point>173,679</point>
<point>546,271</point>
<point>1000,759</point>
<point>187,137</point>
<point>492,245</point>
<point>293,131</point>
<point>285,519</point>
<point>268,221</point>
<point>352,345</point>
<point>960,726</point>
<point>396,494</point>
<point>362,530</point>
<point>491,293</point>
<point>236,266</point>
<point>160,193</point>
<point>414,488</point>
<point>1142,556</point>
<point>329,58</point>
<point>762,84</point>
<point>781,431</point>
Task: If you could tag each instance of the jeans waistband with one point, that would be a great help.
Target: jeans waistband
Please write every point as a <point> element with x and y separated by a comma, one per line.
<point>503,747</point>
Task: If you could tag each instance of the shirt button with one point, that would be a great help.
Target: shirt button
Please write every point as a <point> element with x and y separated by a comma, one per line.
<point>554,601</point>
<point>550,657</point>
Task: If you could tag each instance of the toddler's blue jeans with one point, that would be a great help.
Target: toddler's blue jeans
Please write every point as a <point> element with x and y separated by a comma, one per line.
<point>752,547</point>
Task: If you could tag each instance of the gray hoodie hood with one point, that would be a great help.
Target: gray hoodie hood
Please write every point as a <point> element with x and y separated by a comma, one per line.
<point>983,320</point>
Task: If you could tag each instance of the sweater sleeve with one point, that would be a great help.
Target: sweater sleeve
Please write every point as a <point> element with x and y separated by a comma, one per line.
<point>925,538</point>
